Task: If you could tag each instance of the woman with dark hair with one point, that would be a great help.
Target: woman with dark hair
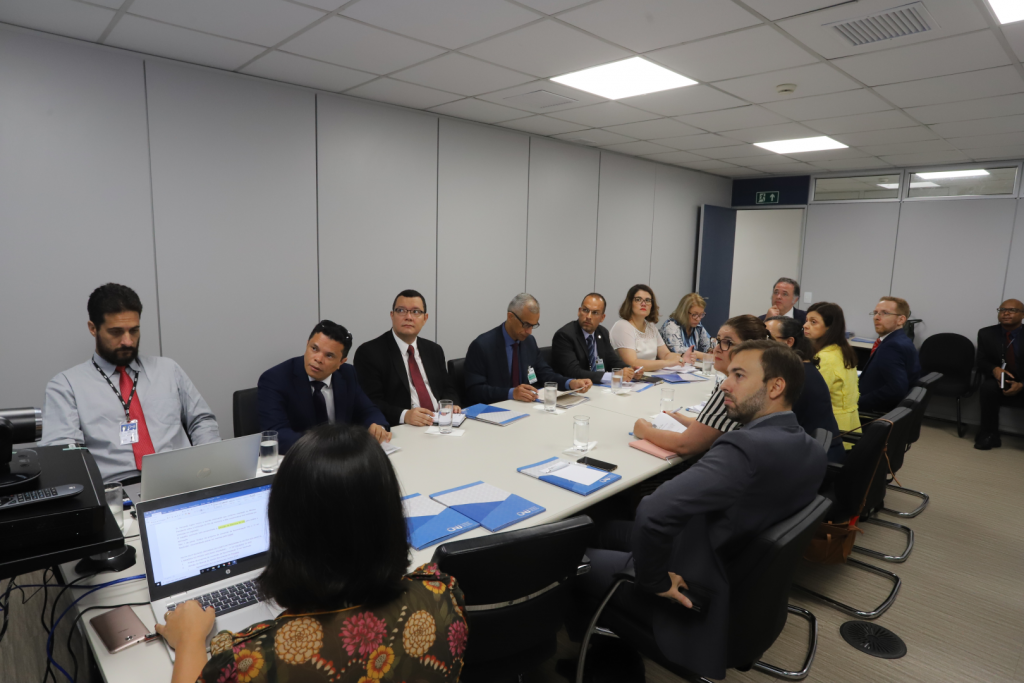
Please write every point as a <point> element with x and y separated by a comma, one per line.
<point>813,409</point>
<point>636,335</point>
<point>826,328</point>
<point>338,555</point>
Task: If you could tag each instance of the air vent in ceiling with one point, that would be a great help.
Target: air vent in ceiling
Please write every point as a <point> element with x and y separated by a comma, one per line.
<point>906,20</point>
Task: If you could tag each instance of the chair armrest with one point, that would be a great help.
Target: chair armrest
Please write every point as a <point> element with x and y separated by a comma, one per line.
<point>627,574</point>
<point>584,567</point>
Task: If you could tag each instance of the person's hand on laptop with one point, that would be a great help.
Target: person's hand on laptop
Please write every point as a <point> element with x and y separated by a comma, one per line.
<point>382,435</point>
<point>185,630</point>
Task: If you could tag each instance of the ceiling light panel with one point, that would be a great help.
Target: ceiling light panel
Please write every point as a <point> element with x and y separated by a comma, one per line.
<point>969,173</point>
<point>627,78</point>
<point>1007,11</point>
<point>801,145</point>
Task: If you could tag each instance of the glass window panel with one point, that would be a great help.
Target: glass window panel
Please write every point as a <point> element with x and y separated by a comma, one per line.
<point>962,182</point>
<point>857,187</point>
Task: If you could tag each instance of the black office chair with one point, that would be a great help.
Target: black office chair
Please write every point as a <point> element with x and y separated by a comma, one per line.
<point>759,579</point>
<point>545,353</point>
<point>518,586</point>
<point>952,355</point>
<point>917,400</point>
<point>458,378</point>
<point>245,412</point>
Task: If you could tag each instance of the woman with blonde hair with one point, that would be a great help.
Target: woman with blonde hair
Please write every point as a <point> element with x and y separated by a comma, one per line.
<point>684,330</point>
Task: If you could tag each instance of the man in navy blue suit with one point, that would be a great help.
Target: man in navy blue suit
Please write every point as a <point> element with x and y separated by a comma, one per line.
<point>317,387</point>
<point>893,367</point>
<point>785,295</point>
<point>504,363</point>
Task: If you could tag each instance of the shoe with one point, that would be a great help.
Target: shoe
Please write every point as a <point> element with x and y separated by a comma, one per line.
<point>988,442</point>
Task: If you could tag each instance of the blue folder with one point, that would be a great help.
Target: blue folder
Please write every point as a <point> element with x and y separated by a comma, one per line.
<point>494,508</point>
<point>475,411</point>
<point>680,378</point>
<point>429,522</point>
<point>574,486</point>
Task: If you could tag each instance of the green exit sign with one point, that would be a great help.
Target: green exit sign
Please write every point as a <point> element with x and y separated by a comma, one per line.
<point>767,198</point>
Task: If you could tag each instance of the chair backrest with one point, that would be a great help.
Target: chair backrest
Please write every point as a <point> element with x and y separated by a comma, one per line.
<point>929,380</point>
<point>823,437</point>
<point>245,412</point>
<point>863,470</point>
<point>917,400</point>
<point>760,579</point>
<point>457,377</point>
<point>947,352</point>
<point>517,584</point>
<point>545,353</point>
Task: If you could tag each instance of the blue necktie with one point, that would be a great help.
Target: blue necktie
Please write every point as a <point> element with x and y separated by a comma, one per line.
<point>591,351</point>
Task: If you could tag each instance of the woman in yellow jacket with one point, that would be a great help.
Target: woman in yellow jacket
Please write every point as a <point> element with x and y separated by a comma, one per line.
<point>826,328</point>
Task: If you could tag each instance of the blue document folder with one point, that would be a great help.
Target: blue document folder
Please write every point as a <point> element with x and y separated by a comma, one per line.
<point>494,508</point>
<point>492,414</point>
<point>429,522</point>
<point>581,479</point>
<point>682,377</point>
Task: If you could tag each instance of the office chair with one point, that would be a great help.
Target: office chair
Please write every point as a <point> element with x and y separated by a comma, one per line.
<point>759,578</point>
<point>917,400</point>
<point>518,586</point>
<point>457,376</point>
<point>545,353</point>
<point>948,353</point>
<point>245,412</point>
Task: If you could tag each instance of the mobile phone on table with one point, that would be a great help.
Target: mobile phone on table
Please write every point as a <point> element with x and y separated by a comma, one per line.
<point>598,464</point>
<point>119,628</point>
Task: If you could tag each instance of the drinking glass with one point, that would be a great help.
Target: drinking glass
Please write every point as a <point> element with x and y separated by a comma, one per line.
<point>707,364</point>
<point>581,433</point>
<point>616,380</point>
<point>668,395</point>
<point>444,417</point>
<point>114,495</point>
<point>550,396</point>
<point>269,458</point>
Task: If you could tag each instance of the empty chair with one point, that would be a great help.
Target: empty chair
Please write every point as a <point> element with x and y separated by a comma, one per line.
<point>545,353</point>
<point>245,412</point>
<point>917,400</point>
<point>952,355</point>
<point>458,378</point>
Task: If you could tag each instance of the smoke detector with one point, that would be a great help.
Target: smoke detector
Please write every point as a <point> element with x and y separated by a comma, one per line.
<point>786,88</point>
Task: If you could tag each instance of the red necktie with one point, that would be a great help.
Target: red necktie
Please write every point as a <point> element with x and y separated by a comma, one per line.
<point>417,381</point>
<point>514,374</point>
<point>144,446</point>
<point>875,346</point>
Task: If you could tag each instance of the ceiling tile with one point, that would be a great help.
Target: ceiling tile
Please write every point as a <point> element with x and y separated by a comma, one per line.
<point>734,152</point>
<point>478,110</point>
<point>702,141</point>
<point>957,54</point>
<point>865,164</point>
<point>543,125</point>
<point>513,97</point>
<point>164,40</point>
<point>834,104</point>
<point>401,93</point>
<point>907,147</point>
<point>461,74</point>
<point>547,49</point>
<point>959,87</point>
<point>326,5</point>
<point>788,169</point>
<point>112,4</point>
<point>1015,36</point>
<point>996,153</point>
<point>988,107</point>
<point>449,23</point>
<point>742,173</point>
<point>62,17</point>
<point>281,66</point>
<point>885,137</point>
<point>780,9</point>
<point>652,130</point>
<point>358,46</point>
<point>731,119</point>
<point>729,56</point>
<point>709,165</point>
<point>829,155</point>
<point>815,79</point>
<point>675,157</point>
<point>264,22</point>
<point>963,129</point>
<point>975,141</point>
<point>782,131</point>
<point>601,115</point>
<point>593,137</point>
<point>926,158</point>
<point>688,100</point>
<point>638,148</point>
<point>552,6</point>
<point>643,25</point>
<point>763,162</point>
<point>861,122</point>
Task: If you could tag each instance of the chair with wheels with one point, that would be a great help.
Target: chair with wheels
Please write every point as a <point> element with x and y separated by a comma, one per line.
<point>455,372</point>
<point>952,355</point>
<point>245,412</point>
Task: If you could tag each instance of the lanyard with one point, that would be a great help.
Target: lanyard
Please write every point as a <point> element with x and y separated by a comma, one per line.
<point>117,393</point>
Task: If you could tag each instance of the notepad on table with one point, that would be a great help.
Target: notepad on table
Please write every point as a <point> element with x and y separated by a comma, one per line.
<point>492,414</point>
<point>649,448</point>
<point>578,478</point>
<point>494,508</point>
<point>429,522</point>
<point>457,419</point>
<point>667,422</point>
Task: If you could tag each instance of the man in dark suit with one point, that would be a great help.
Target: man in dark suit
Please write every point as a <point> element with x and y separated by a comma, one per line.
<point>583,349</point>
<point>999,348</point>
<point>405,376</point>
<point>893,367</point>
<point>504,363</point>
<point>316,387</point>
<point>785,294</point>
<point>689,530</point>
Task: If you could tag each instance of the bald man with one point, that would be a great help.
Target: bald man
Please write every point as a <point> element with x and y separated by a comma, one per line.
<point>999,348</point>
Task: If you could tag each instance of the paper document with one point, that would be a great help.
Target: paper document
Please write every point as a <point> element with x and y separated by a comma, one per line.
<point>492,414</point>
<point>437,430</point>
<point>664,421</point>
<point>566,474</point>
<point>390,448</point>
<point>457,419</point>
<point>677,368</point>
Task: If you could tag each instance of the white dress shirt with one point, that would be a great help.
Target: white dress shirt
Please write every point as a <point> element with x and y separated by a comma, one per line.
<point>328,395</point>
<point>404,350</point>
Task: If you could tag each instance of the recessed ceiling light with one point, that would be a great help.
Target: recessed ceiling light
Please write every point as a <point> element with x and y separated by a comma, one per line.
<point>1007,11</point>
<point>953,174</point>
<point>893,186</point>
<point>801,145</point>
<point>630,77</point>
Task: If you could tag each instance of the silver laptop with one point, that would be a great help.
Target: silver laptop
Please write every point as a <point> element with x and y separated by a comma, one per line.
<point>209,545</point>
<point>197,467</point>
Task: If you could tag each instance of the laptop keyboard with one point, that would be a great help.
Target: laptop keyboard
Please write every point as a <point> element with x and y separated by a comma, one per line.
<point>227,599</point>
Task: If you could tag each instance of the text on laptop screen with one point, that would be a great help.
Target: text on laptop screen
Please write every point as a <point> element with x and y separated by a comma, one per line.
<point>189,539</point>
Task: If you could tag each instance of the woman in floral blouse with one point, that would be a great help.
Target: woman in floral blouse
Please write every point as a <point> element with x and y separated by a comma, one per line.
<point>684,330</point>
<point>338,552</point>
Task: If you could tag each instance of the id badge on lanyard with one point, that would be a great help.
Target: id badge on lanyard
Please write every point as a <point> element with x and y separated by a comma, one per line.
<point>531,377</point>
<point>129,432</point>
<point>599,367</point>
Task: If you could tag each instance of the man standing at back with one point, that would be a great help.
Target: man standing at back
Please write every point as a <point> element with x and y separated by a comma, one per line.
<point>119,404</point>
<point>583,349</point>
<point>999,348</point>
<point>893,367</point>
<point>785,295</point>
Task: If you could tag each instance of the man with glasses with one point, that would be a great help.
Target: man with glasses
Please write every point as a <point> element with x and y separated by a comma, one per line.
<point>785,294</point>
<point>406,376</point>
<point>999,347</point>
<point>893,366</point>
<point>505,363</point>
<point>582,348</point>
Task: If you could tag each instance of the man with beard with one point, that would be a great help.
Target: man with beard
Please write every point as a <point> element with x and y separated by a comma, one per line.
<point>687,531</point>
<point>121,405</point>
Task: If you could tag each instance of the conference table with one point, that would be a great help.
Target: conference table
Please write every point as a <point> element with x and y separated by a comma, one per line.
<point>428,463</point>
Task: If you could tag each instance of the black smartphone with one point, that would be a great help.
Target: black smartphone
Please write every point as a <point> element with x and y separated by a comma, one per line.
<point>599,464</point>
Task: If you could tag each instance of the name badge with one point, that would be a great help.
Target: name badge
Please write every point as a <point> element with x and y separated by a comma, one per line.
<point>531,377</point>
<point>129,432</point>
<point>600,365</point>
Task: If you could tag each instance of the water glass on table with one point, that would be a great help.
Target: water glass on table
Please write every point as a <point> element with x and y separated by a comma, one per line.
<point>114,495</point>
<point>668,395</point>
<point>550,396</point>
<point>444,416</point>
<point>707,364</point>
<point>581,433</point>
<point>616,380</point>
<point>270,460</point>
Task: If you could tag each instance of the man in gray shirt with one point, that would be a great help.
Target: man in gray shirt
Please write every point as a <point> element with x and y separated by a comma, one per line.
<point>119,404</point>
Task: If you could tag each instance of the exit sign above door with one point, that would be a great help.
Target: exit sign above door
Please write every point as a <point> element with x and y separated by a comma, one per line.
<point>771,197</point>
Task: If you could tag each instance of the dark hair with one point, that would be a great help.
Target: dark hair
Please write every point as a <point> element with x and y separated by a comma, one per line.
<point>789,281</point>
<point>333,330</point>
<point>626,309</point>
<point>835,332</point>
<point>777,360</point>
<point>604,302</point>
<point>112,298</point>
<point>337,532</point>
<point>747,327</point>
<point>790,328</point>
<point>410,294</point>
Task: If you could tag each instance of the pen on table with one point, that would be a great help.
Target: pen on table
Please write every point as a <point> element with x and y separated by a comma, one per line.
<point>554,468</point>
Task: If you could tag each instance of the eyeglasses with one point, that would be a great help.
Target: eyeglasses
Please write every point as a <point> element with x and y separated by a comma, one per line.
<point>526,326</point>
<point>586,311</point>
<point>726,344</point>
<point>638,300</point>
<point>697,316</point>
<point>414,312</point>
<point>882,313</point>
<point>1010,310</point>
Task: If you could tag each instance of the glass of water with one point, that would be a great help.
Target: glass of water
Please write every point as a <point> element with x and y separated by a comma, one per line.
<point>668,395</point>
<point>114,495</point>
<point>444,417</point>
<point>708,364</point>
<point>550,396</point>
<point>269,457</point>
<point>616,380</point>
<point>581,433</point>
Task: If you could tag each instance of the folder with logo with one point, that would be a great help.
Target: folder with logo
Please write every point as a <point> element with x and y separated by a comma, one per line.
<point>492,414</point>
<point>429,522</point>
<point>683,378</point>
<point>494,508</point>
<point>581,479</point>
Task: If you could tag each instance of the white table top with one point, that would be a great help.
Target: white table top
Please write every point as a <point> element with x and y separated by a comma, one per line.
<point>431,463</point>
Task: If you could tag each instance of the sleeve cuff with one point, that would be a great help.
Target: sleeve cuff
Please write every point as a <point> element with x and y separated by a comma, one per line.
<point>401,418</point>
<point>510,394</point>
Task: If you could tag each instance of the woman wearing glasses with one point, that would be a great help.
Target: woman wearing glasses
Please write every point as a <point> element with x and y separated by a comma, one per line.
<point>683,330</point>
<point>636,335</point>
<point>826,328</point>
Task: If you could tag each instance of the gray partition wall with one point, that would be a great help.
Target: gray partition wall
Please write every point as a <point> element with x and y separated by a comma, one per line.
<point>1013,287</point>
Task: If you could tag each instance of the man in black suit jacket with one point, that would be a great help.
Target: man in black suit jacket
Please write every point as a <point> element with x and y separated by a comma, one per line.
<point>316,387</point>
<point>785,294</point>
<point>406,376</point>
<point>690,529</point>
<point>893,367</point>
<point>998,344</point>
<point>504,363</point>
<point>583,349</point>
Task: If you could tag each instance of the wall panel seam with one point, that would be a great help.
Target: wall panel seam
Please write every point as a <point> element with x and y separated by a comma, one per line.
<point>316,191</point>
<point>437,224</point>
<point>1009,251</point>
<point>152,210</point>
<point>597,217</point>
<point>654,212</point>
<point>526,254</point>
<point>895,246</point>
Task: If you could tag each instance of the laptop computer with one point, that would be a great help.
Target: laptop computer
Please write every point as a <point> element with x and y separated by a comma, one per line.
<point>188,469</point>
<point>209,545</point>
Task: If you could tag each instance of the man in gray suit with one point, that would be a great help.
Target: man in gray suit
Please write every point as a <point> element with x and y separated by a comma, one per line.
<point>687,532</point>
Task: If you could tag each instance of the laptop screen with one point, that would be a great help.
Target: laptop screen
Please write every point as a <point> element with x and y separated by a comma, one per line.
<point>189,539</point>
